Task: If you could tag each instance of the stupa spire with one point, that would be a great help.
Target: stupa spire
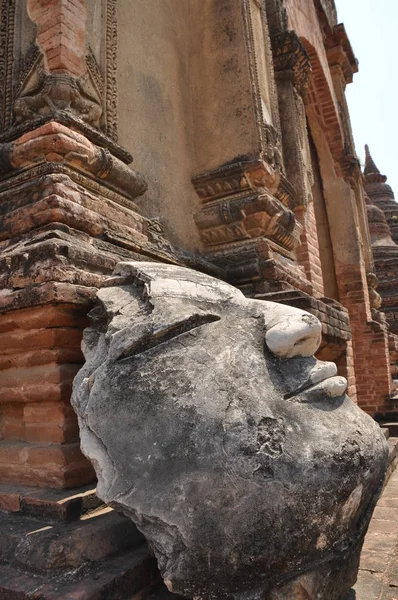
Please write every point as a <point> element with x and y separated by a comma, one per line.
<point>370,166</point>
<point>371,172</point>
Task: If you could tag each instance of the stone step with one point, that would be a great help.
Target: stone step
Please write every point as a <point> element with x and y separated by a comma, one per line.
<point>102,556</point>
<point>44,503</point>
<point>55,465</point>
<point>131,575</point>
<point>390,413</point>
<point>392,428</point>
<point>38,546</point>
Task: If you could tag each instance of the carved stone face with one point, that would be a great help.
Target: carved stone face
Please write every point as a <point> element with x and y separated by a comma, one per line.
<point>211,425</point>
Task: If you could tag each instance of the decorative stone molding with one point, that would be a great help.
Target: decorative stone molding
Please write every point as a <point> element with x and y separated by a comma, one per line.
<point>7,28</point>
<point>55,143</point>
<point>59,92</point>
<point>59,71</point>
<point>291,60</point>
<point>251,217</point>
<point>340,53</point>
<point>260,266</point>
<point>268,133</point>
<point>292,70</point>
<point>287,194</point>
<point>241,203</point>
<point>235,178</point>
<point>71,121</point>
<point>111,68</point>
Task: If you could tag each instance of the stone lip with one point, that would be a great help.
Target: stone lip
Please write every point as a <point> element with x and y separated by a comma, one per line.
<point>197,432</point>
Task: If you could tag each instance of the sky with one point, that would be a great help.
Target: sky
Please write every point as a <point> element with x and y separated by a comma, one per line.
<point>372,27</point>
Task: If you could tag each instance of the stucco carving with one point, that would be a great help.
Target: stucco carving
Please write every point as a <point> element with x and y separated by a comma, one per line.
<point>43,82</point>
<point>6,61</point>
<point>246,200</point>
<point>111,68</point>
<point>59,92</point>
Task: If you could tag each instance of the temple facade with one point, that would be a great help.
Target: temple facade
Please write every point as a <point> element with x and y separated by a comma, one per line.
<point>245,168</point>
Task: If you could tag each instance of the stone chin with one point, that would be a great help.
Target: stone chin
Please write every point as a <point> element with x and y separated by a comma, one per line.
<point>211,424</point>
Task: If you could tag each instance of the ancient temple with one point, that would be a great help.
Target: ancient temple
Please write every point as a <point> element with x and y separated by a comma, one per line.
<point>382,219</point>
<point>245,169</point>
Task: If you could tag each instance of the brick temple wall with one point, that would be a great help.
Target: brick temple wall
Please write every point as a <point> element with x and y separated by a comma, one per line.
<point>250,171</point>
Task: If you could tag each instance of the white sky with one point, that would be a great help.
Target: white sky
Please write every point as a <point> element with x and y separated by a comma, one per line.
<point>372,27</point>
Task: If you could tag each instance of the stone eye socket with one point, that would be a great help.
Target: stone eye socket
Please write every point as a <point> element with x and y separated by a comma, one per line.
<point>160,335</point>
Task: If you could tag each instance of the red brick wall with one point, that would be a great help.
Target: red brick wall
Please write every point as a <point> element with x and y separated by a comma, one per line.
<point>308,252</point>
<point>61,33</point>
<point>369,342</point>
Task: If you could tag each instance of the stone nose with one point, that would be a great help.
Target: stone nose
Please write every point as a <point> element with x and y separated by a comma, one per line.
<point>294,333</point>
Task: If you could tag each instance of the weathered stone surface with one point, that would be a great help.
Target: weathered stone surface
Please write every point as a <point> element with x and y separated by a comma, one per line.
<point>234,451</point>
<point>55,143</point>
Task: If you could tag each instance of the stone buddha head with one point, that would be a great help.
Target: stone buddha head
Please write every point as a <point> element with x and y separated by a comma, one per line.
<point>212,426</point>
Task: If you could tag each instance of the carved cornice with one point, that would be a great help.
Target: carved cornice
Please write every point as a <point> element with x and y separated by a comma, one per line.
<point>244,201</point>
<point>238,178</point>
<point>69,120</point>
<point>226,181</point>
<point>55,143</point>
<point>291,59</point>
<point>340,53</point>
<point>287,194</point>
<point>254,217</point>
<point>35,173</point>
<point>241,178</point>
<point>351,167</point>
